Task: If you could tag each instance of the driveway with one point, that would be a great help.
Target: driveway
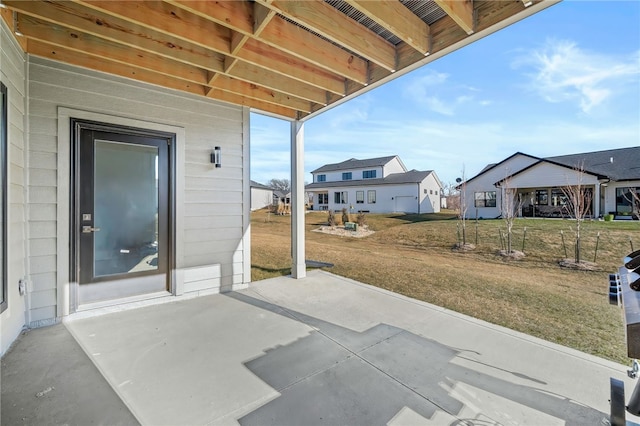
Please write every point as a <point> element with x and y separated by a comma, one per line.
<point>323,350</point>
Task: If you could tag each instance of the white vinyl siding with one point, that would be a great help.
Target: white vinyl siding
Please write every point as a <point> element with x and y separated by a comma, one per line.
<point>12,74</point>
<point>486,181</point>
<point>213,203</point>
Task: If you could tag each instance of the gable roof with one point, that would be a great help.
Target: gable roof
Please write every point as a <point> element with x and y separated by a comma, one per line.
<point>413,176</point>
<point>494,165</point>
<point>255,184</point>
<point>625,164</point>
<point>354,163</point>
<point>614,164</point>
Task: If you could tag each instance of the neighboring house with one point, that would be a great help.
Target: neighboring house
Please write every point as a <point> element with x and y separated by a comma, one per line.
<point>261,196</point>
<point>539,183</point>
<point>375,185</point>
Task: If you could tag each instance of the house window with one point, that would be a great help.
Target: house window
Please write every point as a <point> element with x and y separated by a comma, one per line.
<point>485,199</point>
<point>558,198</point>
<point>340,197</point>
<point>542,197</point>
<point>436,192</point>
<point>371,197</point>
<point>359,197</point>
<point>368,174</point>
<point>431,191</point>
<point>625,198</point>
<point>3,197</point>
<point>346,176</point>
<point>323,198</point>
<point>322,178</point>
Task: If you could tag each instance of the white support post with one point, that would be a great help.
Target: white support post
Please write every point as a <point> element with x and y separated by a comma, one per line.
<point>298,267</point>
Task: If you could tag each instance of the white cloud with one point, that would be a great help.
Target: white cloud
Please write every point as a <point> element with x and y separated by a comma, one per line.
<point>562,71</point>
<point>435,91</point>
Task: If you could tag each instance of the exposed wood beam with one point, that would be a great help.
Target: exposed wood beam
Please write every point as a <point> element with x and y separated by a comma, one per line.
<point>334,25</point>
<point>263,55</point>
<point>253,74</point>
<point>94,46</point>
<point>261,17</point>
<point>82,19</point>
<point>221,95</point>
<point>167,19</point>
<point>77,41</point>
<point>69,56</point>
<point>461,11</point>
<point>103,65</point>
<point>283,35</point>
<point>260,93</point>
<point>9,17</point>
<point>396,18</point>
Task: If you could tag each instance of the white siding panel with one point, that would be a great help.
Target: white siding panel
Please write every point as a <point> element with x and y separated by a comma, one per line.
<point>43,298</point>
<point>41,264</point>
<point>44,281</point>
<point>42,247</point>
<point>42,212</point>
<point>202,278</point>
<point>42,194</point>
<point>44,229</point>
<point>42,177</point>
<point>12,74</point>
<point>43,160</point>
<point>16,151</point>
<point>43,316</point>
<point>486,182</point>
<point>549,175</point>
<point>15,193</point>
<point>17,174</point>
<point>210,222</point>
<point>43,143</point>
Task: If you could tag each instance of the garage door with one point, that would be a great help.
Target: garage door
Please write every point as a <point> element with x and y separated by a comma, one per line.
<point>406,204</point>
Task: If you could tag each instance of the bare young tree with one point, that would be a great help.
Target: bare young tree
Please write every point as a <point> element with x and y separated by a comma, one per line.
<point>462,209</point>
<point>510,205</point>
<point>283,185</point>
<point>452,195</point>
<point>578,205</point>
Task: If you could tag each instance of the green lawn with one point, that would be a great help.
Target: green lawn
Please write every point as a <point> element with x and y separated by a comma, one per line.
<point>412,255</point>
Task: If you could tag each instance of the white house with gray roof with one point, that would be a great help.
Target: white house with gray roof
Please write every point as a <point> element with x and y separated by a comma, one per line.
<point>375,185</point>
<point>608,176</point>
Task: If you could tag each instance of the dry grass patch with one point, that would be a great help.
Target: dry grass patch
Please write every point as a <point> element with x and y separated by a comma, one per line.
<point>412,255</point>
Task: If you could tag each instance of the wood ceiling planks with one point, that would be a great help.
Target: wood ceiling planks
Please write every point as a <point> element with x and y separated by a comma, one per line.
<point>290,58</point>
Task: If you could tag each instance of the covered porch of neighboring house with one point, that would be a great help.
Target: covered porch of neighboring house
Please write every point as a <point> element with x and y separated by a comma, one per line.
<point>554,202</point>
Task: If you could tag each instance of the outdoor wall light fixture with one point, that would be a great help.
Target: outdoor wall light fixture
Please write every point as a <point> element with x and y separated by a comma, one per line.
<point>216,157</point>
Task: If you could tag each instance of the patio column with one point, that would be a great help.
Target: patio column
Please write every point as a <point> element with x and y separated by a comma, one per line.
<point>298,266</point>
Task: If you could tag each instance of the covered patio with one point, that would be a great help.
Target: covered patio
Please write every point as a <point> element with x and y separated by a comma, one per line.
<point>331,351</point>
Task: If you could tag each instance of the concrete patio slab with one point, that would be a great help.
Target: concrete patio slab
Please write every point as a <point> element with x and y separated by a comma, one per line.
<point>323,350</point>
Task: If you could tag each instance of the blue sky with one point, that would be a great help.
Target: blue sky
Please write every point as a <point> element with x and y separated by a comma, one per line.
<point>563,81</point>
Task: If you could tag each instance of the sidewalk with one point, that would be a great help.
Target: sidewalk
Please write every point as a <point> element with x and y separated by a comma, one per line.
<point>323,350</point>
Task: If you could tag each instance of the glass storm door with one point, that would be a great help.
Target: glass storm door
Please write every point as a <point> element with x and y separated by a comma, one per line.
<point>122,215</point>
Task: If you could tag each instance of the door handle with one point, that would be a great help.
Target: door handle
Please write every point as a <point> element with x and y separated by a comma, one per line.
<point>88,229</point>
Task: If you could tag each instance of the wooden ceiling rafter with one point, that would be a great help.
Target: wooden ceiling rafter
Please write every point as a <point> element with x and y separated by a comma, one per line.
<point>460,11</point>
<point>289,58</point>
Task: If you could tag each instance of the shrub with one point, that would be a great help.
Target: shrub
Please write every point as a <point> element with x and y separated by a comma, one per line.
<point>361,219</point>
<point>345,215</point>
<point>331,219</point>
